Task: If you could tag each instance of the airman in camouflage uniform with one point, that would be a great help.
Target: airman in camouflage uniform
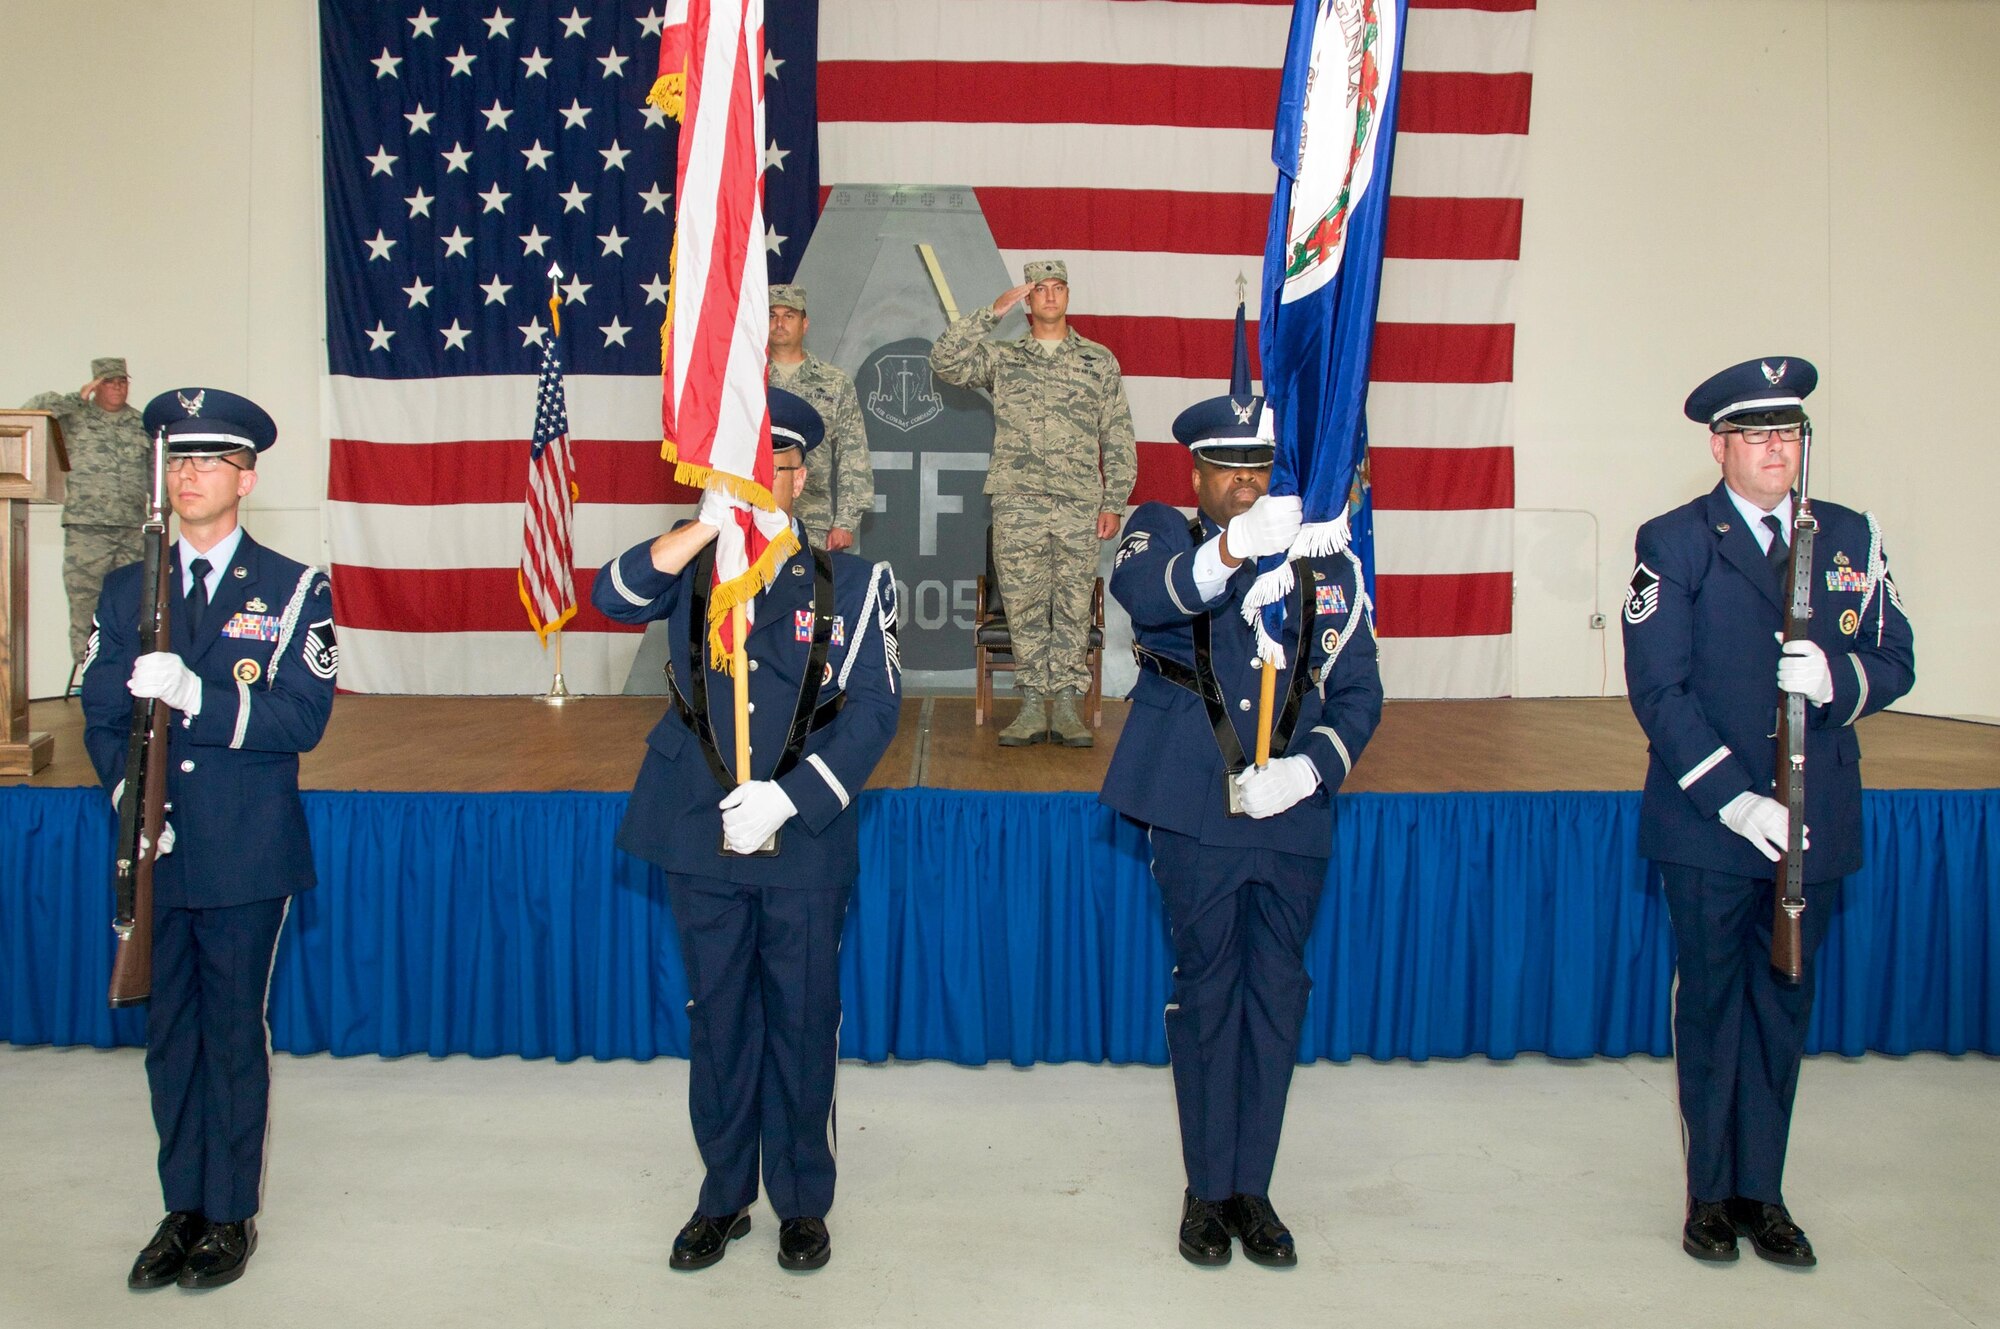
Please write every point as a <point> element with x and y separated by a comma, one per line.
<point>109,462</point>
<point>1064,463</point>
<point>840,483</point>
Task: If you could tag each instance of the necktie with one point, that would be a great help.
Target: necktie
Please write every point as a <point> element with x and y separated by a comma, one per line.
<point>1779,555</point>
<point>197,597</point>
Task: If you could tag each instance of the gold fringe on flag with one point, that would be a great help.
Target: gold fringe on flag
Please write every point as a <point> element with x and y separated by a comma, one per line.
<point>670,93</point>
<point>673,274</point>
<point>741,590</point>
<point>541,629</point>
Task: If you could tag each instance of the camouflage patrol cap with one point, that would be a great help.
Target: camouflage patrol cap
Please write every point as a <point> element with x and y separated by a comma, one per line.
<point>1045,269</point>
<point>108,366</point>
<point>785,295</point>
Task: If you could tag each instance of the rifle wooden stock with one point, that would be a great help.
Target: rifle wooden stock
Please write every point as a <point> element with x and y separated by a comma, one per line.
<point>142,807</point>
<point>1788,896</point>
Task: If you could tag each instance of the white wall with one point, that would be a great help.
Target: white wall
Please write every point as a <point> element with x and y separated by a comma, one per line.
<point>161,202</point>
<point>1715,180</point>
<point>1708,180</point>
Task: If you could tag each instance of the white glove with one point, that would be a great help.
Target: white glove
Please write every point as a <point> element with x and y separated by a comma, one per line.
<point>1803,669</point>
<point>1269,527</point>
<point>1764,822</point>
<point>717,509</point>
<point>752,811</point>
<point>164,675</point>
<point>166,841</point>
<point>1265,791</point>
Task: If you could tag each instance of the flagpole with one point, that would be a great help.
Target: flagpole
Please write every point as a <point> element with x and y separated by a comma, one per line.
<point>1267,695</point>
<point>740,667</point>
<point>1267,682</point>
<point>558,692</point>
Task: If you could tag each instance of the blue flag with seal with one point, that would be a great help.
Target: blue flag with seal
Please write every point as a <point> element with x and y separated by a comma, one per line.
<point>1333,145</point>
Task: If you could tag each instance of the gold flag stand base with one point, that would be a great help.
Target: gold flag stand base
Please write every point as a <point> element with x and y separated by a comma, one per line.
<point>558,692</point>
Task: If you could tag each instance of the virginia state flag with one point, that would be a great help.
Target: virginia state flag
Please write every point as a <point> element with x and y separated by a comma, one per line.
<point>1333,146</point>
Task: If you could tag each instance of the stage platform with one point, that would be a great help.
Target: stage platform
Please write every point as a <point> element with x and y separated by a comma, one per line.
<point>520,744</point>
<point>1485,895</point>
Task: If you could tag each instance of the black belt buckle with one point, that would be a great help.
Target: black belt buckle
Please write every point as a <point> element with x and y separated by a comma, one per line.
<point>768,849</point>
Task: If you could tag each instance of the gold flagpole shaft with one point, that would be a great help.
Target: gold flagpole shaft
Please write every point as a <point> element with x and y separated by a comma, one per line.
<point>1267,694</point>
<point>741,668</point>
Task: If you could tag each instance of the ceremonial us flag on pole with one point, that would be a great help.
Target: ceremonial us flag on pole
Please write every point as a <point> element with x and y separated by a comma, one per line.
<point>1333,146</point>
<point>548,590</point>
<point>714,414</point>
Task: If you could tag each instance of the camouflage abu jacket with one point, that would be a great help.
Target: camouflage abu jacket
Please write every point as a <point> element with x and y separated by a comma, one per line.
<point>1061,422</point>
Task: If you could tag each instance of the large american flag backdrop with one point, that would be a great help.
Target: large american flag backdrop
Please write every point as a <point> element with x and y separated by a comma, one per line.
<point>469,145</point>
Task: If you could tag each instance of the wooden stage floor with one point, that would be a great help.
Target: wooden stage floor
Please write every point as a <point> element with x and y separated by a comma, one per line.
<point>594,743</point>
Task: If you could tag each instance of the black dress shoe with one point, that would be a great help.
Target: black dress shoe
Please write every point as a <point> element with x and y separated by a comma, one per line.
<point>1204,1236</point>
<point>221,1254</point>
<point>704,1240</point>
<point>803,1243</point>
<point>165,1255</point>
<point>1772,1232</point>
<point>1709,1235</point>
<point>1266,1239</point>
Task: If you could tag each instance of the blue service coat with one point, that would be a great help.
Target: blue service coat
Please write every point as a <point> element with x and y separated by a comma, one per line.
<point>267,657</point>
<point>1168,769</point>
<point>673,819</point>
<point>1702,614</point>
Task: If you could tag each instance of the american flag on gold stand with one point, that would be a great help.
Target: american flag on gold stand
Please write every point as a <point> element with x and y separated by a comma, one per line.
<point>547,588</point>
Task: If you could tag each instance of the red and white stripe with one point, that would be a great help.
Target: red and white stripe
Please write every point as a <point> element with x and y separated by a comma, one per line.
<point>1133,140</point>
<point>713,407</point>
<point>426,478</point>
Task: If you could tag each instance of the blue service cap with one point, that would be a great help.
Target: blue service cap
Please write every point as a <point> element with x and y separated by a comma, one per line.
<point>1756,393</point>
<point>1229,431</point>
<point>794,423</point>
<point>1236,429</point>
<point>207,422</point>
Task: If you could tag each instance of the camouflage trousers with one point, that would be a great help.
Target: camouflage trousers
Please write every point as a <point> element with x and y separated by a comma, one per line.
<point>1045,550</point>
<point>89,553</point>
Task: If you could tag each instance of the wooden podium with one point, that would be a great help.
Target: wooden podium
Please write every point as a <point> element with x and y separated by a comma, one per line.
<point>32,464</point>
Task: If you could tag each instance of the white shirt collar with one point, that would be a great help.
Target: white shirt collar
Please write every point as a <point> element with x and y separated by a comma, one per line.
<point>1753,516</point>
<point>219,558</point>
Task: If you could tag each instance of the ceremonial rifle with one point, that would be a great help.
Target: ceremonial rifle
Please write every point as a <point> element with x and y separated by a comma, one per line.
<point>1789,893</point>
<point>142,801</point>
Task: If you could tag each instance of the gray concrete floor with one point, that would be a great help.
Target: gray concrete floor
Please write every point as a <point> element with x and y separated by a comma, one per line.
<point>504,1193</point>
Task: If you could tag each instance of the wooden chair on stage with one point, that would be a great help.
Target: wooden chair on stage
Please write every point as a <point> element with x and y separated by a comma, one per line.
<point>993,645</point>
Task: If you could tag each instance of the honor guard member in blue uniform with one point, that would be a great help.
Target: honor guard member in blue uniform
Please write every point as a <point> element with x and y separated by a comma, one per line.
<point>1240,887</point>
<point>760,934</point>
<point>250,680</point>
<point>1707,679</point>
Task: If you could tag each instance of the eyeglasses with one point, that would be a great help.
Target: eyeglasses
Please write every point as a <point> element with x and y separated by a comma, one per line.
<point>202,465</point>
<point>1758,437</point>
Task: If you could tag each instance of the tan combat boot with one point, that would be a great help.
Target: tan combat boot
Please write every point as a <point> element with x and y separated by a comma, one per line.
<point>1031,723</point>
<point>1070,730</point>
